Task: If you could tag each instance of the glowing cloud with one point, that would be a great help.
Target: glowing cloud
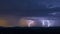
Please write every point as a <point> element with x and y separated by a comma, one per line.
<point>46,22</point>
<point>30,22</point>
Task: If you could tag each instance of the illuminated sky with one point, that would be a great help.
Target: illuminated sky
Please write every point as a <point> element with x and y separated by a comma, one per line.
<point>8,20</point>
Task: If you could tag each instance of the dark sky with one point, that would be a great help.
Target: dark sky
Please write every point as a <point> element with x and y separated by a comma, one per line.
<point>28,7</point>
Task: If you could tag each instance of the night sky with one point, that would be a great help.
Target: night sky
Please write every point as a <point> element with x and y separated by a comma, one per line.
<point>28,7</point>
<point>14,9</point>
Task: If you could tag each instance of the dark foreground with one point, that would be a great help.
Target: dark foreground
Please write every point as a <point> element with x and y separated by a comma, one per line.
<point>30,30</point>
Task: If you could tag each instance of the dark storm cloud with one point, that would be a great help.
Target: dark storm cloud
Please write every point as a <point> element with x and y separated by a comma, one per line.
<point>27,7</point>
<point>27,4</point>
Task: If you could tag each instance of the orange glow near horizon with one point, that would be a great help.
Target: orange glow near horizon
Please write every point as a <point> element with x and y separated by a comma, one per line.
<point>26,23</point>
<point>3,22</point>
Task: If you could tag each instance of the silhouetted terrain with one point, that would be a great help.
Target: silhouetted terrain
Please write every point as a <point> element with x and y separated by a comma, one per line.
<point>29,30</point>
